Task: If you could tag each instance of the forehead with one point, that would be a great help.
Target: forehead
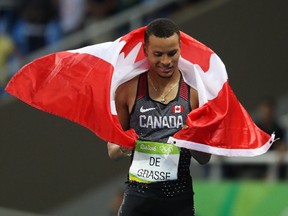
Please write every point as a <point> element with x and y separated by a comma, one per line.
<point>163,44</point>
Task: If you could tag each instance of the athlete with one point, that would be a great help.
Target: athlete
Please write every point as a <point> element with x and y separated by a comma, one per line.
<point>155,104</point>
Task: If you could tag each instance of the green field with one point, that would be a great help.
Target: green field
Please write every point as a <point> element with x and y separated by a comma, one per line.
<point>247,198</point>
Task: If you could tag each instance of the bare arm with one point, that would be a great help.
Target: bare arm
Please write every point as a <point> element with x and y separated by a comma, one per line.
<point>124,101</point>
<point>116,152</point>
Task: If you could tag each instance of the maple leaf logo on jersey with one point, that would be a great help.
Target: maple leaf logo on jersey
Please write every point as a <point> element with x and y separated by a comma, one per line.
<point>178,109</point>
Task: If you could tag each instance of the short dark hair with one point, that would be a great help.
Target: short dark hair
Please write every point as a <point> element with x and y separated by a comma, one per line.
<point>161,27</point>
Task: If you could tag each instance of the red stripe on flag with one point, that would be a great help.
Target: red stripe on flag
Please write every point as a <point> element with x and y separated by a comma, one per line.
<point>73,86</point>
<point>223,123</point>
<point>195,52</point>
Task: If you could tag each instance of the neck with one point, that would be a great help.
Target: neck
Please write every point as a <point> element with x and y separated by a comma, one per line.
<point>163,82</point>
<point>163,89</point>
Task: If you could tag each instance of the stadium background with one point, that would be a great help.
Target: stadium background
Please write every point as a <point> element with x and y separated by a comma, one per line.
<point>52,166</point>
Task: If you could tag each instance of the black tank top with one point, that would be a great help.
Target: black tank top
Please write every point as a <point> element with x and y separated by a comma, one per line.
<point>154,121</point>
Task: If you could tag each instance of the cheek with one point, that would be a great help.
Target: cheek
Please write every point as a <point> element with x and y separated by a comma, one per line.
<point>153,60</point>
<point>175,59</point>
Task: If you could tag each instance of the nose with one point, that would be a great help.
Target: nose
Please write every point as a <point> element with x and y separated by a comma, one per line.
<point>166,60</point>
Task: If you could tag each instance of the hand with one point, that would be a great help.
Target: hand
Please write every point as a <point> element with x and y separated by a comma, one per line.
<point>116,152</point>
<point>184,126</point>
<point>125,151</point>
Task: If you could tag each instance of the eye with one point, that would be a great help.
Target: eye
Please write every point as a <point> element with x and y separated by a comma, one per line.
<point>172,53</point>
<point>158,54</point>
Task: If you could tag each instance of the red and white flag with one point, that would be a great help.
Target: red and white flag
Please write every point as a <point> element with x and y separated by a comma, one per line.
<point>80,85</point>
<point>178,109</point>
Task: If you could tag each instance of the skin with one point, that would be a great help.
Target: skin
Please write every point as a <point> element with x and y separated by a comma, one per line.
<point>163,55</point>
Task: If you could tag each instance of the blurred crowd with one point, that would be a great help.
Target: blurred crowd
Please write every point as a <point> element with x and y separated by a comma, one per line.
<point>266,119</point>
<point>28,25</point>
<point>32,24</point>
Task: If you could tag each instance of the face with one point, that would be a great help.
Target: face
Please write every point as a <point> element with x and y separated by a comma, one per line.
<point>163,55</point>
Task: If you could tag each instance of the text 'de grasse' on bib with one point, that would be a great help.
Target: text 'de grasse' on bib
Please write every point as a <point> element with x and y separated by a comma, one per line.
<point>154,162</point>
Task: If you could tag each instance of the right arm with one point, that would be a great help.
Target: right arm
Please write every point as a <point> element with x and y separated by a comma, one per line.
<point>116,152</point>
<point>124,101</point>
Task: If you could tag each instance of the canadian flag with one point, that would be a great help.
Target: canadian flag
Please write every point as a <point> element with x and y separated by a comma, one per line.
<point>178,109</point>
<point>80,85</point>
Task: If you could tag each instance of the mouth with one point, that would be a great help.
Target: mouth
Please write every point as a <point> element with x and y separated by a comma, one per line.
<point>166,70</point>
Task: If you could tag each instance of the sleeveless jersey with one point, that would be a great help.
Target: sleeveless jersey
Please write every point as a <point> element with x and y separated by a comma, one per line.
<point>154,121</point>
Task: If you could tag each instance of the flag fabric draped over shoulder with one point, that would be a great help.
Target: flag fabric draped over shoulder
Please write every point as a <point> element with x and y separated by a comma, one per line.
<point>80,85</point>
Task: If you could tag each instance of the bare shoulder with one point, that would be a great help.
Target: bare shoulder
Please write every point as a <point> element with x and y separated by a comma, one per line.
<point>126,92</point>
<point>128,86</point>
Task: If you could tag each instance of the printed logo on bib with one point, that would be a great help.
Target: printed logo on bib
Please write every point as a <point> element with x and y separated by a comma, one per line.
<point>154,162</point>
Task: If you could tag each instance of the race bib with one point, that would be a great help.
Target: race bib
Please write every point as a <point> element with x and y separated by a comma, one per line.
<point>154,162</point>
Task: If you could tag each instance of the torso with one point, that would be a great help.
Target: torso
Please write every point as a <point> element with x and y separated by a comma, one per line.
<point>155,121</point>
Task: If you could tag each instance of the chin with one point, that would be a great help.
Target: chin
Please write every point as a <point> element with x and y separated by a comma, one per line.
<point>166,74</point>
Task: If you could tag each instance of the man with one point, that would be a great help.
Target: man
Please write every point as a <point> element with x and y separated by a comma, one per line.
<point>155,104</point>
<point>267,122</point>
